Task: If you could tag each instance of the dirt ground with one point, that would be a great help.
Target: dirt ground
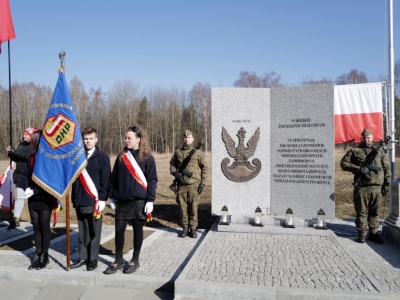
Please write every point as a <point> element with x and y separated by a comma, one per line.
<point>166,211</point>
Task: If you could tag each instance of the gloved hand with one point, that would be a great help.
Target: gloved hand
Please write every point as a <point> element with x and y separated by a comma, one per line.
<point>101,205</point>
<point>28,193</point>
<point>385,190</point>
<point>148,208</point>
<point>365,171</point>
<point>113,205</point>
<point>176,174</point>
<point>200,188</point>
<point>59,206</point>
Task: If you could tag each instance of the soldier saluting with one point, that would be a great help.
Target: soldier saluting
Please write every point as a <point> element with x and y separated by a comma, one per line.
<point>189,169</point>
<point>372,178</point>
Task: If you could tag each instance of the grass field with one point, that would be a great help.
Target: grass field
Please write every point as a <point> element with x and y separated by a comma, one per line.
<point>166,211</point>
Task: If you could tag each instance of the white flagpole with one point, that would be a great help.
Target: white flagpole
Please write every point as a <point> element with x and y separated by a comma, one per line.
<point>391,90</point>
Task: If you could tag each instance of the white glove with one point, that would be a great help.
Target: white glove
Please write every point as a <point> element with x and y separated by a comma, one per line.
<point>59,206</point>
<point>28,193</point>
<point>113,205</point>
<point>101,205</point>
<point>148,208</point>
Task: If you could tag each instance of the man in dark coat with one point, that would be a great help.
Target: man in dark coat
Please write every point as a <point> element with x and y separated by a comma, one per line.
<point>89,225</point>
<point>20,156</point>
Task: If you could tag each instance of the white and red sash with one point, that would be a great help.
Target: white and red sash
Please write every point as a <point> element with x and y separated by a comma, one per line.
<point>90,188</point>
<point>134,169</point>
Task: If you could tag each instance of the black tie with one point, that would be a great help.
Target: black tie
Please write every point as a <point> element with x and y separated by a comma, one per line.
<point>87,154</point>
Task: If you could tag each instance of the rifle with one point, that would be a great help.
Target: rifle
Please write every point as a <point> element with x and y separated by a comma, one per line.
<point>368,163</point>
<point>181,170</point>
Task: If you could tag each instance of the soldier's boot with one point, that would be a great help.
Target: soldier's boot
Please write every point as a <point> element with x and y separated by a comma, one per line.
<point>375,238</point>
<point>193,233</point>
<point>16,221</point>
<point>362,237</point>
<point>184,232</point>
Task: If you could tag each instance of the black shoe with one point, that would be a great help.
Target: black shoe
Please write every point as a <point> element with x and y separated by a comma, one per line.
<point>131,267</point>
<point>79,264</point>
<point>113,268</point>
<point>375,238</point>
<point>92,265</point>
<point>35,262</point>
<point>12,224</point>
<point>43,261</point>
<point>193,233</point>
<point>184,232</point>
<point>361,238</point>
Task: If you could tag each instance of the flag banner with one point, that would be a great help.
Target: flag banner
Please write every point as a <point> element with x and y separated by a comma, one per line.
<point>358,106</point>
<point>6,183</point>
<point>60,157</point>
<point>6,25</point>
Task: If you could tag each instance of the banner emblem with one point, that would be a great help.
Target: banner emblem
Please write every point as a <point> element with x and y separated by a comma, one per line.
<point>59,131</point>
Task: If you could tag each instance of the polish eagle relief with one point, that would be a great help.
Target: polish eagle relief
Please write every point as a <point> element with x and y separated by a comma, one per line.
<point>241,170</point>
<point>59,131</point>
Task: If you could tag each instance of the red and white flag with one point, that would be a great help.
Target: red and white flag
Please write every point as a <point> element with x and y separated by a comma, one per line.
<point>6,183</point>
<point>358,106</point>
<point>6,25</point>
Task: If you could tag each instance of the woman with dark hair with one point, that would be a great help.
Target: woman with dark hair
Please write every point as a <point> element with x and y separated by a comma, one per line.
<point>132,192</point>
<point>40,208</point>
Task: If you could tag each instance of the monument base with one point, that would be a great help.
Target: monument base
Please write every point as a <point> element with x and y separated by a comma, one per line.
<point>246,224</point>
<point>391,231</point>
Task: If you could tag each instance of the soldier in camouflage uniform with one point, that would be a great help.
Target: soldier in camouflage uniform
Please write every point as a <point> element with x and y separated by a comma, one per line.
<point>367,197</point>
<point>189,188</point>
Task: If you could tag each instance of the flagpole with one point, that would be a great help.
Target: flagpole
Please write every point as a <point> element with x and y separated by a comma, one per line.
<point>9,105</point>
<point>62,55</point>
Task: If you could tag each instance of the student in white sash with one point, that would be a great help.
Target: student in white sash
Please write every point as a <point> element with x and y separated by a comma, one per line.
<point>132,191</point>
<point>88,210</point>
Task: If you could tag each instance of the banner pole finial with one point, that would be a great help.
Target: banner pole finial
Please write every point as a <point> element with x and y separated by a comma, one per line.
<point>62,55</point>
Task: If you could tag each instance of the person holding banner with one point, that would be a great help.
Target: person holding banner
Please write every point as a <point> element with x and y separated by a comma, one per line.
<point>132,191</point>
<point>20,156</point>
<point>40,204</point>
<point>88,209</point>
<point>372,177</point>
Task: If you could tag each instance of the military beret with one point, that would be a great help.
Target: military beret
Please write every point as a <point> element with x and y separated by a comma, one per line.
<point>187,132</point>
<point>366,132</point>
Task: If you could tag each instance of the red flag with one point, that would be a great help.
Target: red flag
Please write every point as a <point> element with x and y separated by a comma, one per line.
<point>358,106</point>
<point>6,25</point>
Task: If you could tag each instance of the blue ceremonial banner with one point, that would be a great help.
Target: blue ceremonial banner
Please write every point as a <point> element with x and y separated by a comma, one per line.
<point>60,157</point>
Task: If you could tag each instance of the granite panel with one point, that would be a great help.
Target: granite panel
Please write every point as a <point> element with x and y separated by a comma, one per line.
<point>302,150</point>
<point>232,109</point>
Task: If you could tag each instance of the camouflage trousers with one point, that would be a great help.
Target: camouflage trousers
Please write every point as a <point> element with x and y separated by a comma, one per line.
<point>366,204</point>
<point>188,200</point>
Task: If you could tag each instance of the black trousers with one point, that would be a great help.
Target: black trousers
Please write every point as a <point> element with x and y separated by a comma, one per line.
<point>89,236</point>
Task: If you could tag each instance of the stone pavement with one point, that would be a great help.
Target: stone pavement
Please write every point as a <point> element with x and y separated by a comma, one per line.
<point>268,263</point>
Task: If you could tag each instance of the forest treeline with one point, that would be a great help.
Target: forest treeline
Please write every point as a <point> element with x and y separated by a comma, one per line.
<point>163,112</point>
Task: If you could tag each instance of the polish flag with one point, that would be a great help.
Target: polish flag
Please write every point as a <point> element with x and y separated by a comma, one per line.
<point>358,106</point>
<point>6,183</point>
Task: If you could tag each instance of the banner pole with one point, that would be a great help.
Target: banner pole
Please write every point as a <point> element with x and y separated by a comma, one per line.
<point>61,55</point>
<point>10,109</point>
<point>67,233</point>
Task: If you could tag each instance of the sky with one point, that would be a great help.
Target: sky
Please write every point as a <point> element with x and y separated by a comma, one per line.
<point>178,43</point>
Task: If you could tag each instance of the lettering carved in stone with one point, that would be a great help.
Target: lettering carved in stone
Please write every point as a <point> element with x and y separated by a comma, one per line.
<point>241,170</point>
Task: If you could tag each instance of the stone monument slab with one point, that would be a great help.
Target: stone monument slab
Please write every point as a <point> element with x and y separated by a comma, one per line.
<point>240,150</point>
<point>303,150</point>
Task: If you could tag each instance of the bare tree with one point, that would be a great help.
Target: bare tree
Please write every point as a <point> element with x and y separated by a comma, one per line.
<point>312,81</point>
<point>397,77</point>
<point>352,77</point>
<point>251,80</point>
<point>200,96</point>
<point>80,99</point>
